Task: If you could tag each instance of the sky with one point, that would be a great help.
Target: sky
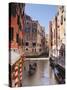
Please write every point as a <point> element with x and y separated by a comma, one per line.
<point>41,12</point>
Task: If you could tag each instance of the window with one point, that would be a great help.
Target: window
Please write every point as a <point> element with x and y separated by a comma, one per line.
<point>61,19</point>
<point>58,36</point>
<point>27,17</point>
<point>46,41</point>
<point>11,34</point>
<point>22,42</point>
<point>62,9</point>
<point>51,43</point>
<point>18,19</point>
<point>35,49</point>
<point>27,23</point>
<point>17,38</point>
<point>58,26</point>
<point>40,50</point>
<point>64,19</point>
<point>20,26</point>
<point>27,49</point>
<point>27,43</point>
<point>64,34</point>
<point>34,44</point>
<point>34,25</point>
<point>18,22</point>
<point>19,41</point>
<point>22,14</point>
<point>27,30</point>
<point>40,45</point>
<point>34,30</point>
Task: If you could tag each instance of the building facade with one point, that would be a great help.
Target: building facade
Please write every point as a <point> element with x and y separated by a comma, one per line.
<point>50,37</point>
<point>34,41</point>
<point>34,37</point>
<point>57,37</point>
<point>47,43</point>
<point>57,31</point>
<point>27,37</point>
<point>54,35</point>
<point>40,44</point>
<point>16,31</point>
<point>61,25</point>
<point>16,25</point>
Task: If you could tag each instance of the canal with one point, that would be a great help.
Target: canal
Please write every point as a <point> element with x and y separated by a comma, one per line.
<point>43,74</point>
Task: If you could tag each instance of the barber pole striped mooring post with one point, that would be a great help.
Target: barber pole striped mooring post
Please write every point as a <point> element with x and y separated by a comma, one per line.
<point>16,76</point>
<point>20,72</point>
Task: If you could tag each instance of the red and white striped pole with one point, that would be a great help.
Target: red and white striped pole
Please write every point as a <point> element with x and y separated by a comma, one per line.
<point>16,76</point>
<point>20,72</point>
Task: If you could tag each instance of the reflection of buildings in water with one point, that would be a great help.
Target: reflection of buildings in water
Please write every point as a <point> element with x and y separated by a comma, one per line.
<point>43,76</point>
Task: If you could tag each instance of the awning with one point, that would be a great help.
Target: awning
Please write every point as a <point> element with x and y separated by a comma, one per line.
<point>14,57</point>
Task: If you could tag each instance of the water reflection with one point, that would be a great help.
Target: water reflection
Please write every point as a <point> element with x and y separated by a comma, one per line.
<point>43,75</point>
